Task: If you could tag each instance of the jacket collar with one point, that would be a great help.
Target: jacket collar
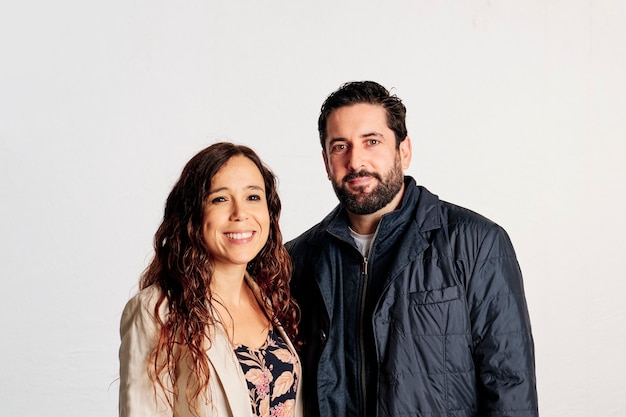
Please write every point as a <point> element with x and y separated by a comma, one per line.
<point>419,207</point>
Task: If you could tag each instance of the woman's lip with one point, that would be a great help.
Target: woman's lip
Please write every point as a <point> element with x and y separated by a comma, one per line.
<point>239,235</point>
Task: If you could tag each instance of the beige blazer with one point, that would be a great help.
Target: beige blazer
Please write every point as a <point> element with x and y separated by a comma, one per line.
<point>138,396</point>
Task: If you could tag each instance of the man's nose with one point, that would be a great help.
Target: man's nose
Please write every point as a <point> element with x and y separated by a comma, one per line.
<point>357,159</point>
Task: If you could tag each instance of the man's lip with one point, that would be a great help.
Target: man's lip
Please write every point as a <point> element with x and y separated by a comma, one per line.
<point>360,180</point>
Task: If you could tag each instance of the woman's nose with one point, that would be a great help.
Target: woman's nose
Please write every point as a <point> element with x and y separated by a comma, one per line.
<point>238,212</point>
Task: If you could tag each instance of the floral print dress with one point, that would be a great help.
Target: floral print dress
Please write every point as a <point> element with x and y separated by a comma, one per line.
<point>271,374</point>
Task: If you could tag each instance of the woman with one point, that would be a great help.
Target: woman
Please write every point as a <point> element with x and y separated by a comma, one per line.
<point>209,332</point>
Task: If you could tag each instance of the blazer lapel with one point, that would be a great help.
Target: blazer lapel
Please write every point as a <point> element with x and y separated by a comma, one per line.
<point>229,373</point>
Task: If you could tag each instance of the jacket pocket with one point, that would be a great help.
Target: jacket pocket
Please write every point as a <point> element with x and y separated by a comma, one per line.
<point>435,296</point>
<point>431,312</point>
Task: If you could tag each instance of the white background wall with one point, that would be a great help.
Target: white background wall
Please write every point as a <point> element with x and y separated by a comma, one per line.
<point>517,110</point>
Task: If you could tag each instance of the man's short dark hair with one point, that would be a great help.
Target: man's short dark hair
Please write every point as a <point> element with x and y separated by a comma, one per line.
<point>369,92</point>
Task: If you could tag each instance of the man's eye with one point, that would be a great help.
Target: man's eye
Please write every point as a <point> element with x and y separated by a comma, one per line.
<point>373,142</point>
<point>337,148</point>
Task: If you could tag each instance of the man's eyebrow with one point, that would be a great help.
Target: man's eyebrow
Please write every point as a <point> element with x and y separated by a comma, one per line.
<point>372,134</point>
<point>333,140</point>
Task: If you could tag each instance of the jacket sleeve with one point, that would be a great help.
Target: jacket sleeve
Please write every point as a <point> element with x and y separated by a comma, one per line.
<point>501,333</point>
<point>139,396</point>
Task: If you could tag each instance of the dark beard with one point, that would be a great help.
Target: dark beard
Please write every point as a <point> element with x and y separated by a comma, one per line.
<point>362,203</point>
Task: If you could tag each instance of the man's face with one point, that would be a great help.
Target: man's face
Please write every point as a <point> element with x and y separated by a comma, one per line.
<point>362,161</point>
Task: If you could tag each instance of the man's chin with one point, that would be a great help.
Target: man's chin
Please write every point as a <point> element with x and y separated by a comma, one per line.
<point>361,191</point>
<point>359,198</point>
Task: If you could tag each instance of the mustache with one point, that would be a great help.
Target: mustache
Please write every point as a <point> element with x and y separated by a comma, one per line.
<point>362,173</point>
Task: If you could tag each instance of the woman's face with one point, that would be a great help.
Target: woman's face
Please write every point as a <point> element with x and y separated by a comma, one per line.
<point>236,219</point>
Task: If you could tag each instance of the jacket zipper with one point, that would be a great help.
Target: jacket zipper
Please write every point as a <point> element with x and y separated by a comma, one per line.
<point>363,378</point>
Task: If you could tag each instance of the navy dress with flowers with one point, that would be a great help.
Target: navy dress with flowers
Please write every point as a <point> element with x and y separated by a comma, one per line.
<point>271,375</point>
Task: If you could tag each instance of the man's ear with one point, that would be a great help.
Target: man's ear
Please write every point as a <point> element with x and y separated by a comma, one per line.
<point>406,152</point>
<point>325,158</point>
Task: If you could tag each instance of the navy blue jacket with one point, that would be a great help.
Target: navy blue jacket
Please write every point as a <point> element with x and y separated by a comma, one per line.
<point>434,323</point>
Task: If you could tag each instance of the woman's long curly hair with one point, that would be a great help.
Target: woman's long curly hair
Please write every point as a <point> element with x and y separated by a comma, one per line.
<point>182,269</point>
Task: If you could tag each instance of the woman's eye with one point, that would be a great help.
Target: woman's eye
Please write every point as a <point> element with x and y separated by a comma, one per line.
<point>218,200</point>
<point>255,197</point>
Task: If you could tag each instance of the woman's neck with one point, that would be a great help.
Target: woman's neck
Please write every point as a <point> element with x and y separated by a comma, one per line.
<point>241,315</point>
<point>229,283</point>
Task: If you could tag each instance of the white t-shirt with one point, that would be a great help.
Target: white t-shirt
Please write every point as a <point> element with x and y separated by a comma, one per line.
<point>363,242</point>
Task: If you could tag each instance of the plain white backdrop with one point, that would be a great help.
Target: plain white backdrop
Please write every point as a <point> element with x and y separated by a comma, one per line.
<point>516,110</point>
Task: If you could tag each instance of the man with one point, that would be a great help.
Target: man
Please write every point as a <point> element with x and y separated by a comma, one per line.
<point>410,306</point>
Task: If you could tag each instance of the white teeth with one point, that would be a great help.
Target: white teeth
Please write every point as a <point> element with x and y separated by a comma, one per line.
<point>237,236</point>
